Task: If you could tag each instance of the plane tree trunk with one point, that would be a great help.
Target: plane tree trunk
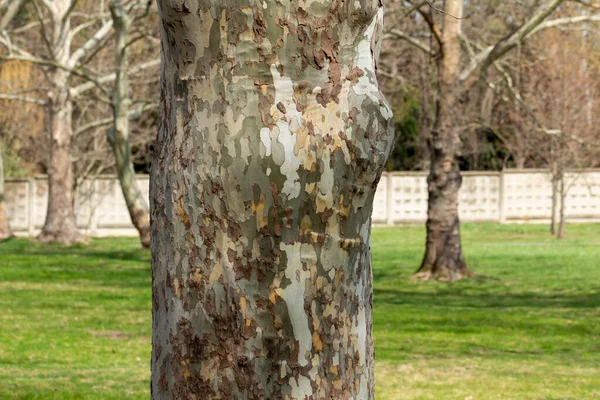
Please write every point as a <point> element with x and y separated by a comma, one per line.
<point>273,135</point>
<point>443,257</point>
<point>60,225</point>
<point>119,134</point>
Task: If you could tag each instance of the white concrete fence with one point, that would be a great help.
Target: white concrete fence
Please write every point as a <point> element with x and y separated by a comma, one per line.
<point>509,196</point>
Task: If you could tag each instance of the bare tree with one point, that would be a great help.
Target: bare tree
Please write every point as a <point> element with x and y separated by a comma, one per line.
<point>443,255</point>
<point>58,36</point>
<point>8,14</point>
<point>556,97</point>
<point>67,52</point>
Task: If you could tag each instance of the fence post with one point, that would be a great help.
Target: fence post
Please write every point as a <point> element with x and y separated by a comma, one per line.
<point>501,213</point>
<point>94,200</point>
<point>31,206</point>
<point>389,205</point>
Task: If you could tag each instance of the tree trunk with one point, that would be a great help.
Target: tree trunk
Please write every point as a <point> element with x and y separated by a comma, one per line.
<point>60,225</point>
<point>561,216</point>
<point>272,138</point>
<point>118,136</point>
<point>555,202</point>
<point>5,231</point>
<point>443,252</point>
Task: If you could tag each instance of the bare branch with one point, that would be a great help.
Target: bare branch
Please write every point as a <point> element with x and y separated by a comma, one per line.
<point>50,6</point>
<point>586,4</point>
<point>69,10</point>
<point>492,53</point>
<point>133,115</point>
<point>78,29</point>
<point>14,97</point>
<point>397,34</point>
<point>414,8</point>
<point>43,28</point>
<point>564,21</point>
<point>517,96</point>
<point>90,79</point>
<point>13,8</point>
<point>442,11</point>
<point>91,44</point>
<point>77,90</point>
<point>435,30</point>
<point>6,42</point>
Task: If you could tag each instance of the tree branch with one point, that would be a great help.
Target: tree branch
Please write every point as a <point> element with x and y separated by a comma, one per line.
<point>394,33</point>
<point>14,97</point>
<point>91,44</point>
<point>564,21</point>
<point>517,96</point>
<point>133,115</point>
<point>84,87</point>
<point>435,30</point>
<point>6,42</point>
<point>492,53</point>
<point>13,8</point>
<point>430,4</point>
<point>90,80</point>
<point>43,28</point>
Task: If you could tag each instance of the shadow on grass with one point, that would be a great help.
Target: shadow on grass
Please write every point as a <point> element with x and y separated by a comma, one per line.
<point>102,262</point>
<point>486,297</point>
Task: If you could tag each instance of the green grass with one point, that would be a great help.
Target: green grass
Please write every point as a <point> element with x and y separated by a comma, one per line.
<point>75,322</point>
<point>528,329</point>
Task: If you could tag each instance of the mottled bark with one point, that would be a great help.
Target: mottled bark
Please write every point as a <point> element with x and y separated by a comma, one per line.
<point>118,135</point>
<point>5,231</point>
<point>273,135</point>
<point>60,225</point>
<point>443,257</point>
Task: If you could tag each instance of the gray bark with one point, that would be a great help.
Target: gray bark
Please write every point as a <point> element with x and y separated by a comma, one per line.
<point>273,135</point>
<point>443,257</point>
<point>60,225</point>
<point>119,134</point>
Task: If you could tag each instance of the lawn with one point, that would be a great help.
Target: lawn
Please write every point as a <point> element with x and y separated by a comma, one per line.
<point>75,322</point>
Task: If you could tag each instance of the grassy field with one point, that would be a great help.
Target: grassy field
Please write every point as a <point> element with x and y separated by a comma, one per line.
<point>75,322</point>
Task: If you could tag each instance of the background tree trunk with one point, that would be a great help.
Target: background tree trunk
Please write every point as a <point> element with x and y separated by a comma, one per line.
<point>60,225</point>
<point>563,197</point>
<point>273,135</point>
<point>443,252</point>
<point>5,231</point>
<point>118,136</point>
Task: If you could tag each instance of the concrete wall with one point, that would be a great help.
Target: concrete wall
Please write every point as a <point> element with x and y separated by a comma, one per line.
<point>509,196</point>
